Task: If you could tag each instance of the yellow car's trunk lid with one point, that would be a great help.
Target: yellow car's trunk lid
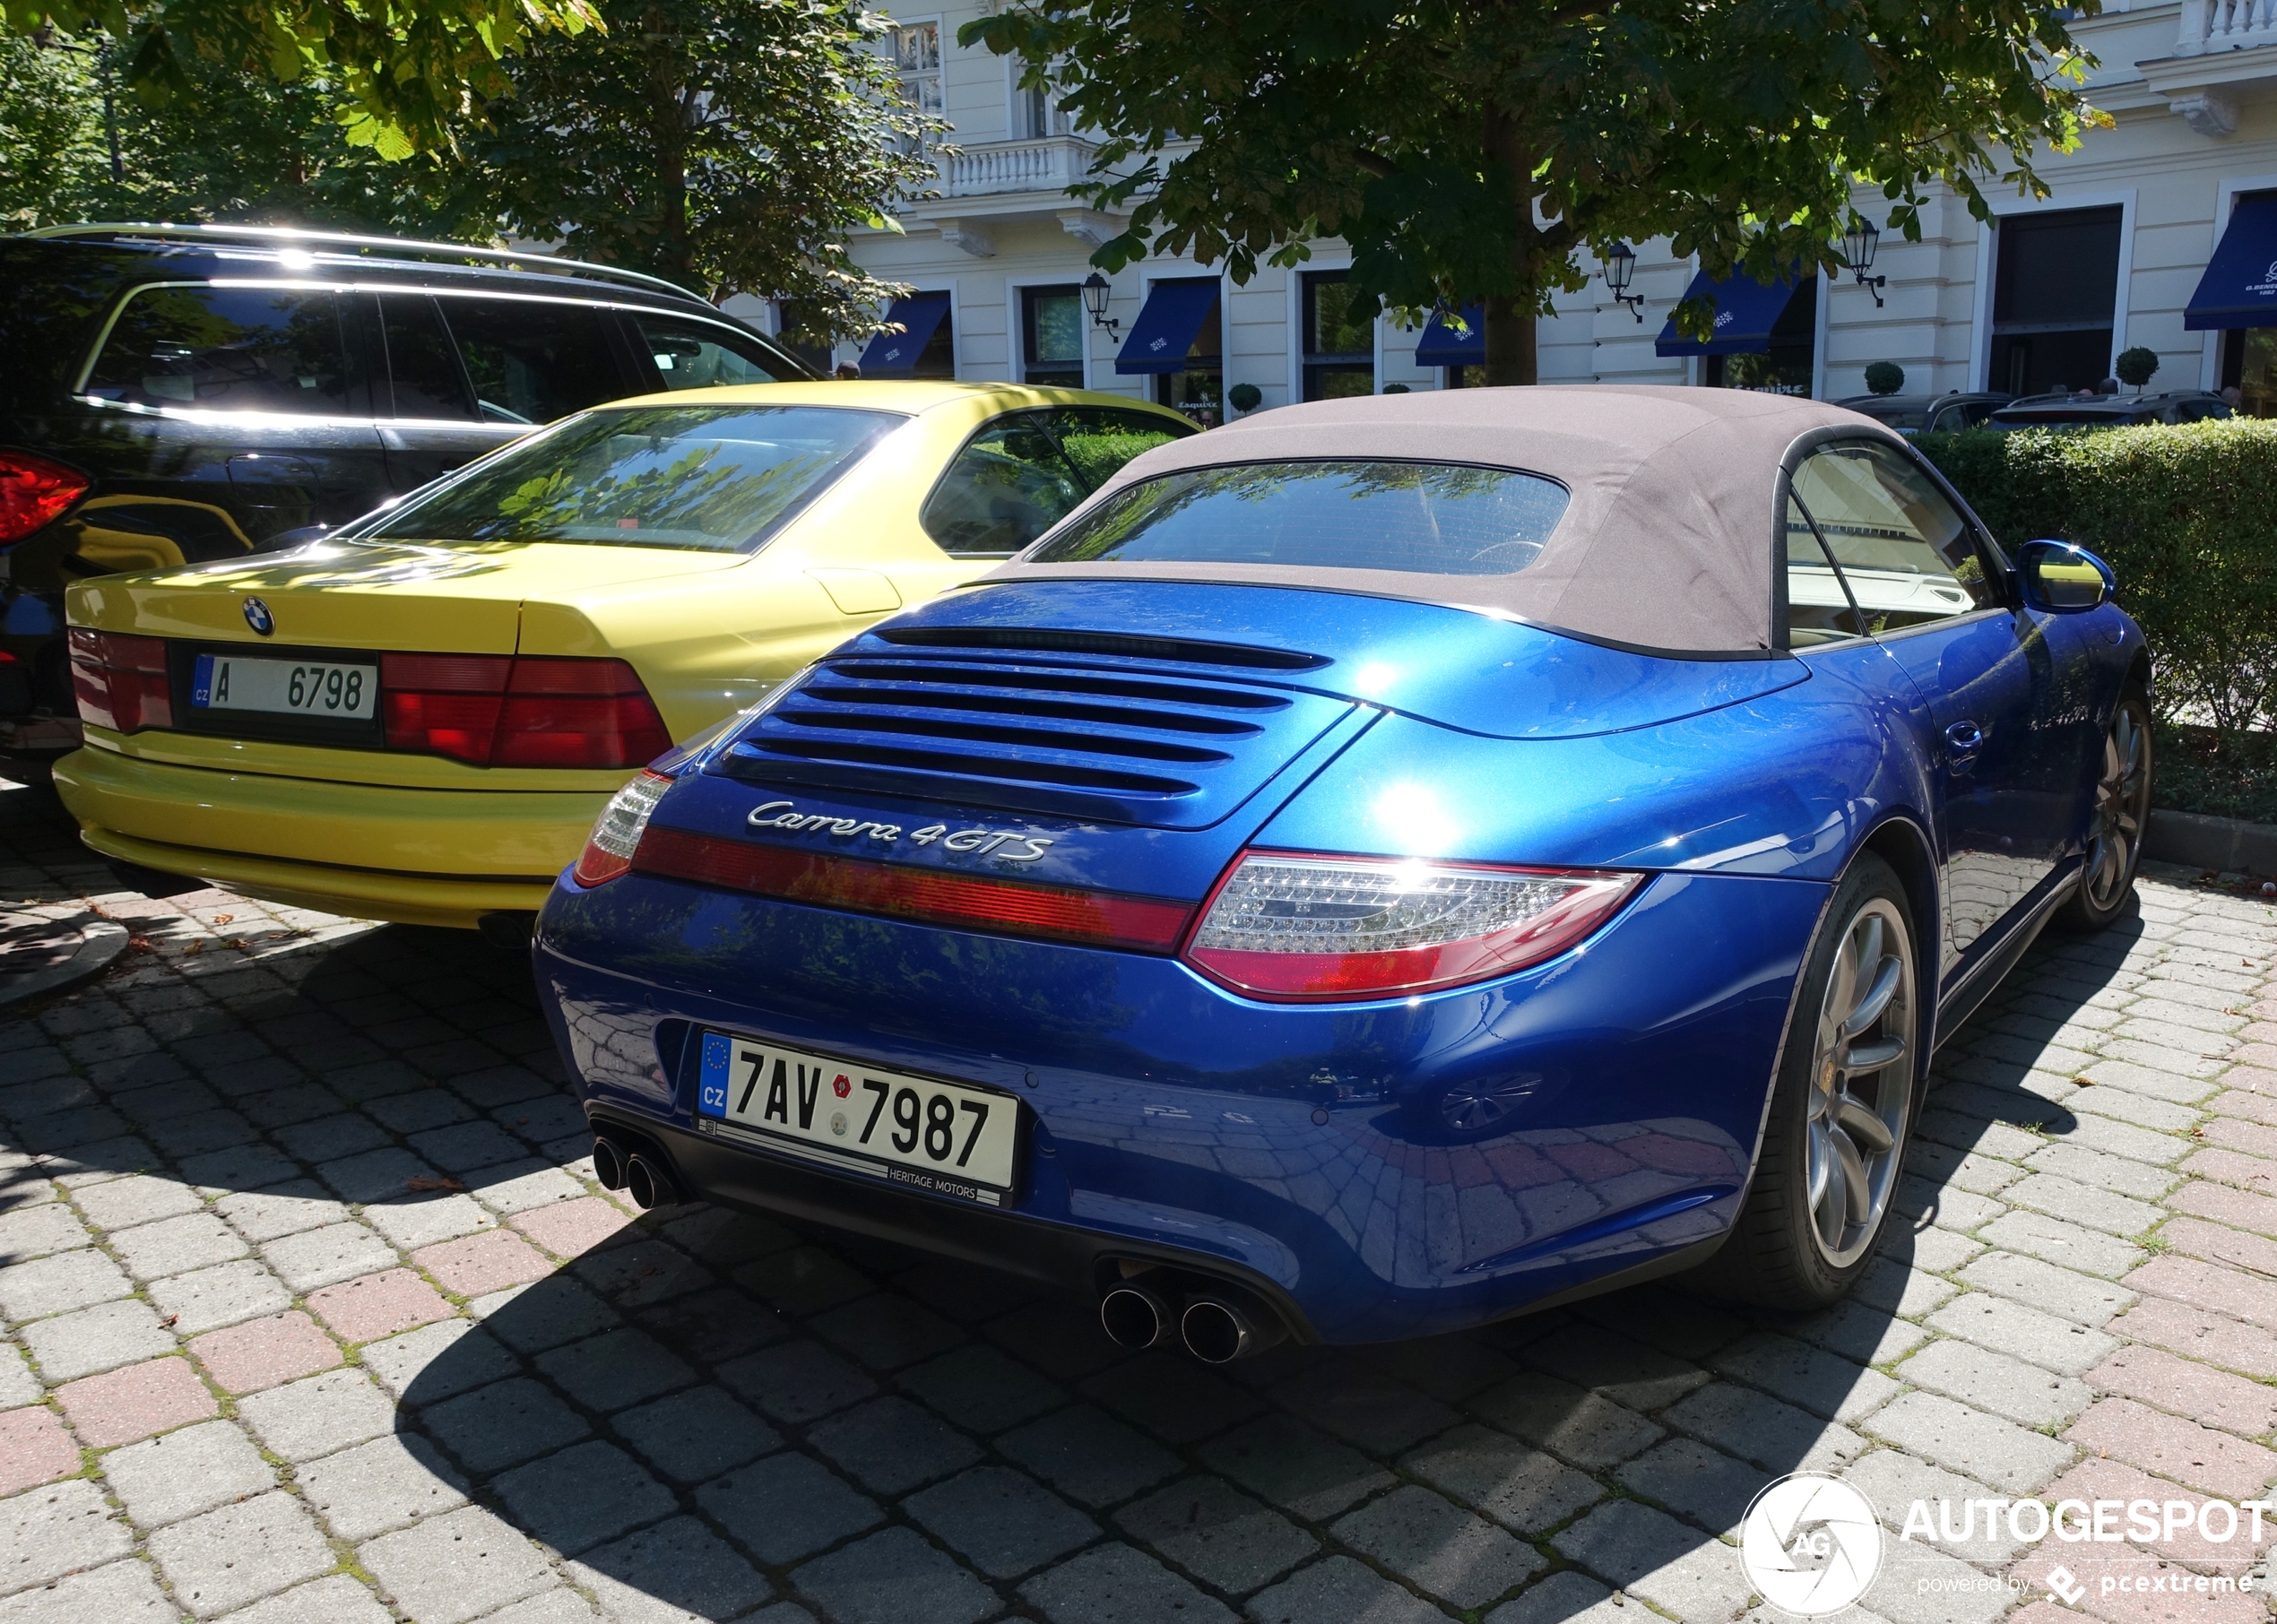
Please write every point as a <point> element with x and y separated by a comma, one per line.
<point>381,596</point>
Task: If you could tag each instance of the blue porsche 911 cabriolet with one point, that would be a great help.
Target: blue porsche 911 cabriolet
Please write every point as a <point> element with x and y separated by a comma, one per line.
<point>1375,868</point>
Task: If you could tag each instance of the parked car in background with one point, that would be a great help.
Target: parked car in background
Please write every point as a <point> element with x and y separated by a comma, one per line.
<point>1912,414</point>
<point>418,718</point>
<point>181,394</point>
<point>2110,411</point>
<point>1375,868</point>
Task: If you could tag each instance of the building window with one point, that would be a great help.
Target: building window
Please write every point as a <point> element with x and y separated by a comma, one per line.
<point>1052,336</point>
<point>1786,366</point>
<point>793,333</point>
<point>2056,284</point>
<point>1041,114</point>
<point>938,359</point>
<point>1199,388</point>
<point>917,59</point>
<point>2249,354</point>
<point>1466,377</point>
<point>1340,339</point>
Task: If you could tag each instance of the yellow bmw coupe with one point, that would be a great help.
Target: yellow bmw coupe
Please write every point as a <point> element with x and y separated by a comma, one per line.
<point>418,718</point>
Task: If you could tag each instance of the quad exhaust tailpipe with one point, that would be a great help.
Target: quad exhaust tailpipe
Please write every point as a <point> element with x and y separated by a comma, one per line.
<point>637,1170</point>
<point>609,1159</point>
<point>1214,1321</point>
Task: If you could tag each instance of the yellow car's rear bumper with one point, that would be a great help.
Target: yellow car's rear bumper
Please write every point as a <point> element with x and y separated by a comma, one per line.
<point>412,856</point>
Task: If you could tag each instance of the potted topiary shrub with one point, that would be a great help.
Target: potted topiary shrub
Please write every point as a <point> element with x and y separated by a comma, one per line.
<point>2137,366</point>
<point>1885,377</point>
<point>1244,397</point>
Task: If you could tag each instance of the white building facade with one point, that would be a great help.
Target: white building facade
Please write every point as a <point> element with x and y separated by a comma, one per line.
<point>2116,258</point>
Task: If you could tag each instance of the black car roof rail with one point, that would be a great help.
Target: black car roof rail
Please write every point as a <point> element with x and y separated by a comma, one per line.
<point>293,236</point>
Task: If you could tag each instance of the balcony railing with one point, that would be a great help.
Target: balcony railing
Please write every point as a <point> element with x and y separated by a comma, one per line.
<point>1050,163</point>
<point>2225,25</point>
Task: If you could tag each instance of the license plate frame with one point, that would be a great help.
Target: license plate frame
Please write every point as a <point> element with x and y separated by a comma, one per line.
<point>788,1099</point>
<point>342,692</point>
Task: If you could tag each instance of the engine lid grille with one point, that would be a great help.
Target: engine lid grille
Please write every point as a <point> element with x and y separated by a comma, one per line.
<point>1173,744</point>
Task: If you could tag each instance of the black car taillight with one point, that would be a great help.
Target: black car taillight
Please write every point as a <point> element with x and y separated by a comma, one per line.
<point>121,681</point>
<point>520,711</point>
<point>33,493</point>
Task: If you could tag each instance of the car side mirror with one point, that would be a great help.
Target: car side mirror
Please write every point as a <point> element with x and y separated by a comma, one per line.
<point>2064,579</point>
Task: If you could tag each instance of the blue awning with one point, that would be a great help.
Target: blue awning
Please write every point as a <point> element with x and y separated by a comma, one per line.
<point>893,355</point>
<point>1168,326</point>
<point>1442,346</point>
<point>2239,288</point>
<point>1745,312</point>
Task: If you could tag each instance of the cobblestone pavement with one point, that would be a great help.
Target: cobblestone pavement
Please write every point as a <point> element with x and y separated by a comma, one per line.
<point>314,1317</point>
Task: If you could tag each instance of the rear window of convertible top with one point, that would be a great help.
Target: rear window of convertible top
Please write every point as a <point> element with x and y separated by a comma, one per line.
<point>719,477</point>
<point>1426,518</point>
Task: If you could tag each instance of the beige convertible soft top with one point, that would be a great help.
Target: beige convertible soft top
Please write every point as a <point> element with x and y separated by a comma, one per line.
<point>1668,541</point>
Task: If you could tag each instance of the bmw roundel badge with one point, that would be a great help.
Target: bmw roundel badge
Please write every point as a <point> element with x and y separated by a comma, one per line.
<point>258,616</point>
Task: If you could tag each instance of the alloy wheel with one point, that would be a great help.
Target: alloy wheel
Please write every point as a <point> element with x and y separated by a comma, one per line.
<point>1861,1082</point>
<point>2122,797</point>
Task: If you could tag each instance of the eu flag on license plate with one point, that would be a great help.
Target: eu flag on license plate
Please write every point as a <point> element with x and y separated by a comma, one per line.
<point>711,1082</point>
<point>202,684</point>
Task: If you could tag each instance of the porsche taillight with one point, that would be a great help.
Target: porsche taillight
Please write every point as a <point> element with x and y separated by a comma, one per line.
<point>34,492</point>
<point>616,833</point>
<point>520,710</point>
<point>1287,926</point>
<point>121,681</point>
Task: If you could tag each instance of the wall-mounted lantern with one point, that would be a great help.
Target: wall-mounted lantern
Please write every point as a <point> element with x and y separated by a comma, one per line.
<point>1620,267</point>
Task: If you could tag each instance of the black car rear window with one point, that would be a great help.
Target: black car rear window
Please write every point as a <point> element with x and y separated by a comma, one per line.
<point>718,477</point>
<point>225,349</point>
<point>1426,518</point>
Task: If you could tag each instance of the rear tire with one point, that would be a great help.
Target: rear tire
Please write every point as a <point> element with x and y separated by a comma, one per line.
<point>1841,1108</point>
<point>2115,823</point>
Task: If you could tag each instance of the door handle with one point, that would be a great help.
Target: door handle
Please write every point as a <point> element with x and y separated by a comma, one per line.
<point>1963,739</point>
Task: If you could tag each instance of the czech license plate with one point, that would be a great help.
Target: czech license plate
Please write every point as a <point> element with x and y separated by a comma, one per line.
<point>940,1137</point>
<point>289,687</point>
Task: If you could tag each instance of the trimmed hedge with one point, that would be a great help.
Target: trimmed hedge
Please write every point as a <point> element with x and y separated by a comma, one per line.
<point>2187,518</point>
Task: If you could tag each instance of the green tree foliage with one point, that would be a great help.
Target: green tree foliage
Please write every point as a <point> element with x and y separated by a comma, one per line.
<point>405,71</point>
<point>1885,377</point>
<point>1468,150</point>
<point>727,145</point>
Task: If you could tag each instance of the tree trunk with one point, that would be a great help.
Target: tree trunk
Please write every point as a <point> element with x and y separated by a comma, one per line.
<point>675,254</point>
<point>1510,343</point>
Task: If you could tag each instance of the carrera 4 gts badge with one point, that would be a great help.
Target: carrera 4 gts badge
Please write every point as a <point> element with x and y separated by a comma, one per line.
<point>1003,844</point>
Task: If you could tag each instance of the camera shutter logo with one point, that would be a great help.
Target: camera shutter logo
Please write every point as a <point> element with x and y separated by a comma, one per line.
<point>1810,1544</point>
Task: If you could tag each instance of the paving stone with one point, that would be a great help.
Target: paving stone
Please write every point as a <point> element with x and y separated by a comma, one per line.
<point>1340,1589</point>
<point>1288,1464</point>
<point>437,1361</point>
<point>1825,1384</point>
<point>1969,1442</point>
<point>2081,1298</point>
<point>2026,1334</point>
<point>375,1175</point>
<point>315,1258</point>
<point>175,1246</point>
<point>120,1407</point>
<point>1860,1334</point>
<point>34,1449</point>
<point>414,1221</point>
<point>451,1568</point>
<point>1994,1382</point>
<point>378,1305</point>
<point>206,1300</point>
<point>2068,1246</point>
<point>554,1311</point>
<point>519,1186</point>
<point>890,1446</point>
<point>18,1386</point>
<point>1693,1481</point>
<point>1439,1547</point>
<point>798,1382</point>
<point>2187,1388</point>
<point>1115,1585</point>
<point>887,1332</point>
<point>164,1480</point>
<point>101,1338</point>
<point>1003,1523</point>
<point>313,1417</point>
<point>266,1353</point>
<point>1565,1597</point>
<point>374,1488</point>
<point>1495,1475</point>
<point>676,1569</point>
<point>590,1492</point>
<point>337,1600</point>
<point>1582,1426</point>
<point>787,1507</point>
<point>329,1138</point>
<point>123,1593</point>
<point>614,1370</point>
<point>1616,1366</point>
<point>1777,1437</point>
<point>287,1209</point>
<point>58,1283</point>
<point>981,1390</point>
<point>465,1145</point>
<point>2199,1335</point>
<point>240,1554</point>
<point>2212,1462</point>
<point>804,1280</point>
<point>503,1424</point>
<point>59,1529</point>
<point>1893,1479</point>
<point>694,1436</point>
<point>1212,1530</point>
<point>893,1577</point>
<point>482,1263</point>
<point>569,1229</point>
<point>1650,1554</point>
<point>35,1231</point>
<point>241,1167</point>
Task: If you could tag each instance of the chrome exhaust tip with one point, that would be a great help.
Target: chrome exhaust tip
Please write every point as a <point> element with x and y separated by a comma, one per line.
<point>608,1162</point>
<point>1134,1316</point>
<point>1218,1330</point>
<point>649,1184</point>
